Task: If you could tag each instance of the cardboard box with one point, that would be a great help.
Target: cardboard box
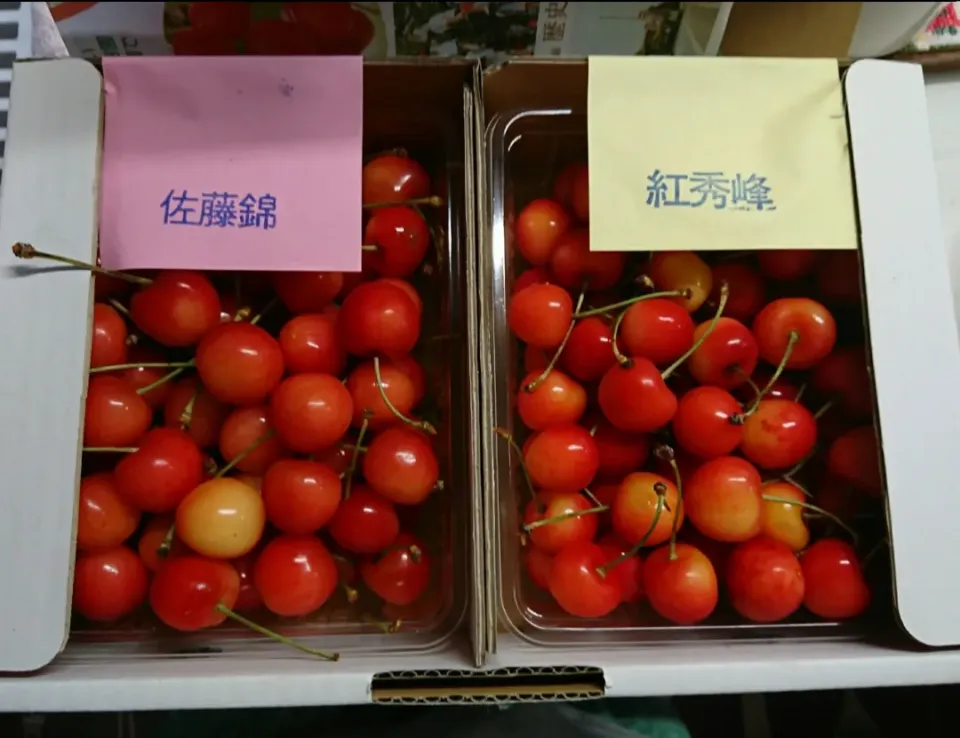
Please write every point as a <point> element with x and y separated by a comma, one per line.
<point>49,196</point>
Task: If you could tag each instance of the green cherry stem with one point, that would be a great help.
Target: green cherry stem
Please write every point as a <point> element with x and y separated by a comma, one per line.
<point>434,201</point>
<point>515,447</point>
<point>421,425</point>
<point>661,490</point>
<point>369,247</point>
<point>623,304</point>
<point>256,627</point>
<point>667,454</point>
<point>800,392</point>
<point>186,417</point>
<point>166,377</point>
<point>228,467</point>
<point>823,409</point>
<point>532,386</point>
<point>355,457</point>
<point>590,496</point>
<point>814,509</point>
<point>147,365</point>
<point>109,449</point>
<point>565,516</point>
<point>26,251</point>
<point>758,397</point>
<point>614,335</point>
<point>119,307</point>
<point>266,309</point>
<point>724,296</point>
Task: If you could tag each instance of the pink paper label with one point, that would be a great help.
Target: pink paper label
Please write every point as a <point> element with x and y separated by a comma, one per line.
<point>223,163</point>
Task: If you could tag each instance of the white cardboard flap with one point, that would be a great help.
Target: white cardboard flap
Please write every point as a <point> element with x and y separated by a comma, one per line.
<point>913,340</point>
<point>48,199</point>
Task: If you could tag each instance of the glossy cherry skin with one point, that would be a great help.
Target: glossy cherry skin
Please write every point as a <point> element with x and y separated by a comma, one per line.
<point>394,178</point>
<point>746,291</point>
<point>161,472</point>
<point>378,317</point>
<point>782,389</point>
<point>684,590</point>
<point>629,572</point>
<point>245,427</point>
<point>573,264</point>
<point>115,416</point>
<point>104,518</point>
<point>401,574</point>
<point>563,184</point>
<point>300,496</point>
<point>835,586</point>
<point>365,522</point>
<point>764,580</point>
<point>578,586</point>
<point>539,315</point>
<point>307,292</point>
<point>400,464</point>
<point>634,509</point>
<point>108,584</point>
<point>723,499</point>
<point>680,270</point>
<point>311,411</point>
<point>402,238</point>
<point>311,343</point>
<point>367,400</point>
<point>556,400</point>
<point>186,591</point>
<point>141,377</point>
<point>223,518</point>
<point>659,330</point>
<point>248,598</point>
<point>537,564</point>
<point>778,434</point>
<point>538,227</point>
<point>589,350</point>
<point>814,324</point>
<point>408,289</point>
<point>554,536</point>
<point>239,363</point>
<point>844,374</point>
<point>707,423</point>
<point>620,452</point>
<point>782,521</point>
<point>109,342</point>
<point>634,397</point>
<point>295,575</point>
<point>177,309</point>
<point>533,275</point>
<point>563,458</point>
<point>415,373</point>
<point>727,357</point>
<point>786,265</point>
<point>207,414</point>
<point>153,536</point>
<point>854,458</point>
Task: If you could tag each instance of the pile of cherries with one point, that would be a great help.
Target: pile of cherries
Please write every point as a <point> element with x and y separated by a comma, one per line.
<point>695,425</point>
<point>250,440</point>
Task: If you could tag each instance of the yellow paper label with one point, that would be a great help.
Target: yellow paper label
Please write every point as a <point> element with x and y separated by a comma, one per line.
<point>718,154</point>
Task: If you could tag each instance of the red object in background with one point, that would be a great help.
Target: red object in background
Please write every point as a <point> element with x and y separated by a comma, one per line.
<point>203,42</point>
<point>230,19</point>
<point>279,38</point>
<point>338,28</point>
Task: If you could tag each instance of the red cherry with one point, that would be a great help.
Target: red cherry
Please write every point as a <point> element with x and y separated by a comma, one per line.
<point>537,564</point>
<point>682,589</point>
<point>716,552</point>
<point>177,308</point>
<point>812,322</point>
<point>779,434</point>
<point>310,343</point>
<point>787,265</point>
<point>188,593</point>
<point>563,184</point>
<point>629,572</point>
<point>104,518</point>
<point>723,499</point>
<point>402,238</point>
<point>573,264</point>
<point>781,389</point>
<point>415,373</point>
<point>708,422</point>
<point>367,400</point>
<point>307,292</point>
<point>838,277</point>
<point>277,37</point>
<point>311,411</point>
<point>540,315</point>
<point>115,416</point>
<point>239,363</point>
<point>295,575</point>
<point>206,414</point>
<point>400,574</point>
<point>161,472</point>
<point>620,453</point>
<point>534,275</point>
<point>534,360</point>
<point>300,496</point>
<point>555,400</point>
<point>577,584</point>
<point>764,580</point>
<point>245,427</point>
<point>141,377</point>
<point>659,330</point>
<point>378,317</point>
<point>727,357</point>
<point>562,458</point>
<point>154,535</point>
<point>580,194</point>
<point>835,588</point>
<point>538,228</point>
<point>109,584</point>
<point>589,350</point>
<point>634,509</point>
<point>203,42</point>
<point>109,341</point>
<point>365,522</point>
<point>634,397</point>
<point>747,291</point>
<point>400,465</point>
<point>409,289</point>
<point>393,178</point>
<point>106,286</point>
<point>854,458</point>
<point>681,270</point>
<point>550,513</point>
<point>844,374</point>
<point>248,598</point>
<point>226,17</point>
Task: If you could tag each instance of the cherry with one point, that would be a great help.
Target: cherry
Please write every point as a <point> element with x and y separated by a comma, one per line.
<point>727,357</point>
<point>104,518</point>
<point>838,498</point>
<point>365,522</point>
<point>580,194</point>
<point>535,360</point>
<point>311,411</point>
<point>400,574</point>
<point>647,509</point>
<point>764,580</point>
<point>835,586</point>
<point>838,276</point>
<point>716,552</point>
<point>189,404</point>
<point>177,309</point>
<point>410,291</point>
<point>562,458</point>
<point>557,519</point>
<point>577,584</point>
<point>844,374</point>
<point>813,324</point>
<point>708,422</point>
<point>155,536</point>
<point>723,499</point>
<point>251,481</point>
<point>222,518</point>
<point>307,292</point>
<point>787,265</point>
<point>779,434</point>
<point>401,237</point>
<point>659,330</point>
<point>537,564</point>
<point>551,398</point>
<point>773,387</point>
<point>239,363</point>
<point>393,177</point>
<point>300,496</point>
<point>747,289</point>
<point>115,416</point>
<point>620,453</point>
<point>232,18</point>
<point>108,584</point>
<point>782,521</point>
<point>573,264</point>
<point>635,398</point>
<point>310,343</point>
<point>248,598</point>
<point>400,464</point>
<point>538,228</point>
<point>629,572</point>
<point>540,315</point>
<point>563,185</point>
<point>534,275</point>
<point>109,341</point>
<point>589,350</point>
<point>141,376</point>
<point>367,394</point>
<point>295,575</point>
<point>107,286</point>
<point>248,440</point>
<point>854,458</point>
<point>681,584</point>
<point>378,317</point>
<point>682,270</point>
<point>161,472</point>
<point>415,373</point>
<point>191,593</point>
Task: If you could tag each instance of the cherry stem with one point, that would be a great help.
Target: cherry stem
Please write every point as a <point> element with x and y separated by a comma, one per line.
<point>532,386</point>
<point>352,469</point>
<point>433,201</point>
<point>26,251</point>
<point>325,655</point>
<point>421,425</point>
<point>667,454</point>
<point>814,509</point>
<point>872,553</point>
<point>119,307</point>
<point>614,334</point>
<point>627,303</point>
<point>724,296</point>
<point>241,315</point>
<point>823,410</point>
<point>515,447</point>
<point>145,365</point>
<point>109,449</point>
<point>246,452</point>
<point>799,395</point>
<point>369,247</point>
<point>186,417</point>
<point>352,594</point>
<point>166,378</point>
<point>592,497</point>
<point>387,627</point>
<point>661,490</point>
<point>163,550</point>
<point>354,447</point>
<point>788,349</point>
<point>266,309</point>
<point>565,516</point>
